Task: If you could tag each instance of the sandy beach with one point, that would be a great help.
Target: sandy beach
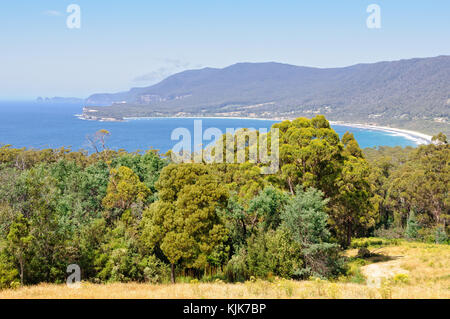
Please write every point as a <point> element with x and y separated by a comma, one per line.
<point>417,137</point>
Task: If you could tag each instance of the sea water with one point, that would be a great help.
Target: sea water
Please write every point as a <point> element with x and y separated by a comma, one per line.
<point>40,125</point>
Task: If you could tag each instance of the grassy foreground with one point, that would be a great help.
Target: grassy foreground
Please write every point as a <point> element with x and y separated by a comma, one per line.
<point>407,270</point>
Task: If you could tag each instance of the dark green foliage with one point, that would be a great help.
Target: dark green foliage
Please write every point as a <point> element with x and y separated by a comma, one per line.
<point>266,254</point>
<point>51,208</point>
<point>155,271</point>
<point>268,206</point>
<point>440,235</point>
<point>118,258</point>
<point>185,223</point>
<point>273,253</point>
<point>312,155</point>
<point>9,275</point>
<point>305,219</point>
<point>19,241</point>
<point>412,180</point>
<point>236,268</point>
<point>412,228</point>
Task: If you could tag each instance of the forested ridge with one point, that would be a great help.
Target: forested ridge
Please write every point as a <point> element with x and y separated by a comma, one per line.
<point>138,216</point>
<point>411,94</point>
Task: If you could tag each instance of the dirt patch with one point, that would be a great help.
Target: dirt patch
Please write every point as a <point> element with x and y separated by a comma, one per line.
<point>378,272</point>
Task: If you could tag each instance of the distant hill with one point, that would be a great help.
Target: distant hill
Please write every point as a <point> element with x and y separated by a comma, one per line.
<point>412,93</point>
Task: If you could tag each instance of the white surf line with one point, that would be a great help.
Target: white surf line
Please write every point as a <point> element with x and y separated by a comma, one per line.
<point>417,137</point>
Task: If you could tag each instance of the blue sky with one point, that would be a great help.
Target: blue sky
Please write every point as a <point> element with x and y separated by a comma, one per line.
<point>123,44</point>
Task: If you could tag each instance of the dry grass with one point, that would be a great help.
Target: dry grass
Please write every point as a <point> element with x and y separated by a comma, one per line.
<point>427,265</point>
<point>428,276</point>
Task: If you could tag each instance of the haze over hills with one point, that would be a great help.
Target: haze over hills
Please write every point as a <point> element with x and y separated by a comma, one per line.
<point>412,93</point>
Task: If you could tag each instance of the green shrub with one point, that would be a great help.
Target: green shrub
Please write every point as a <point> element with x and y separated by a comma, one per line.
<point>440,235</point>
<point>306,221</point>
<point>268,254</point>
<point>273,253</point>
<point>370,241</point>
<point>236,268</point>
<point>412,226</point>
<point>9,275</point>
<point>354,273</point>
<point>155,271</point>
<point>436,235</point>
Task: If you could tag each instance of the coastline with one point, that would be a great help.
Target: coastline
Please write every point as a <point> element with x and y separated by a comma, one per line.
<point>416,137</point>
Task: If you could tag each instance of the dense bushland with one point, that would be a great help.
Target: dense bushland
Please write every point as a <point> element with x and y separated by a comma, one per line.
<point>138,217</point>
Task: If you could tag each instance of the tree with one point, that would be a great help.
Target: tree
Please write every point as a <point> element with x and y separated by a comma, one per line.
<point>98,138</point>
<point>8,271</point>
<point>306,220</point>
<point>440,235</point>
<point>440,139</point>
<point>7,216</point>
<point>19,239</point>
<point>305,216</point>
<point>412,227</point>
<point>245,180</point>
<point>267,206</point>
<point>147,166</point>
<point>184,222</point>
<point>40,199</point>
<point>119,257</point>
<point>310,154</point>
<point>271,253</point>
<point>351,146</point>
<point>354,208</point>
<point>422,183</point>
<point>124,190</point>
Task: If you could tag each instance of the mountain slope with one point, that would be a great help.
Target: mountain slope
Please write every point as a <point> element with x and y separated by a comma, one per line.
<point>405,91</point>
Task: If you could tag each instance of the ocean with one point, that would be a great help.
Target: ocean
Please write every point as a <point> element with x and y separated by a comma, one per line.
<point>40,125</point>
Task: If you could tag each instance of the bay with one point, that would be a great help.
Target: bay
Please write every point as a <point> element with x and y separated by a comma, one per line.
<point>40,125</point>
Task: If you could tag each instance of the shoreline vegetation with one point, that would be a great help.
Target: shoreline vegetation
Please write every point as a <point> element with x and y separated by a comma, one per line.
<point>415,136</point>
